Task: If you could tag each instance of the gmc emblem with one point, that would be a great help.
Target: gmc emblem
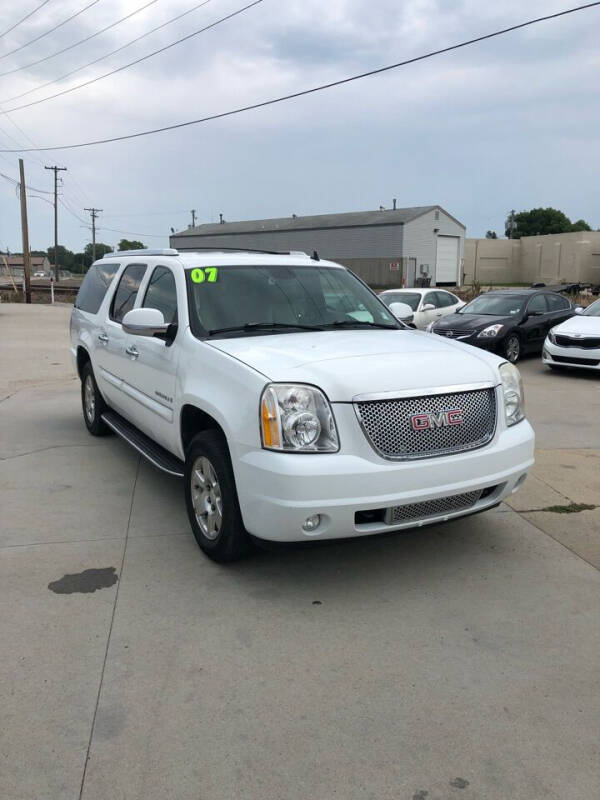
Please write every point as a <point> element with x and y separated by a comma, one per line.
<point>425,422</point>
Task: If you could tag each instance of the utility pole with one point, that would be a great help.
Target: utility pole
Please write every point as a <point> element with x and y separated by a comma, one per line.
<point>193,213</point>
<point>56,171</point>
<point>25,232</point>
<point>93,214</point>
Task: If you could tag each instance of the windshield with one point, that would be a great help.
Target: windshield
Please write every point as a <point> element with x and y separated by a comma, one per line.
<point>498,305</point>
<point>259,299</point>
<point>410,299</point>
<point>593,310</point>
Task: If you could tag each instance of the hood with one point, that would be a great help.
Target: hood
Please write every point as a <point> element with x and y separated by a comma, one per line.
<point>347,363</point>
<point>471,322</point>
<point>587,326</point>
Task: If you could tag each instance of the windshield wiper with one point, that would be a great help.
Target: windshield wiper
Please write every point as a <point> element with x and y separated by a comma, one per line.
<point>343,323</point>
<point>265,326</point>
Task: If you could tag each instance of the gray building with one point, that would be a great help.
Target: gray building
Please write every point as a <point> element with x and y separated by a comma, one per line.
<point>389,247</point>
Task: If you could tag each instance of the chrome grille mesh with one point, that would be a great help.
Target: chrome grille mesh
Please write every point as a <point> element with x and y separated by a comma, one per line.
<point>432,508</point>
<point>388,424</point>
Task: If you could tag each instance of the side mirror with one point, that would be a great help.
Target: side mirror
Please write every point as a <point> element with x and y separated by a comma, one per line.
<point>144,322</point>
<point>579,309</point>
<point>428,307</point>
<point>402,311</point>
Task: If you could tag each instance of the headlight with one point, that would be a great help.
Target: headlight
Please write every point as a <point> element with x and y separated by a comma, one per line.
<point>297,418</point>
<point>514,397</point>
<point>552,337</point>
<point>490,331</point>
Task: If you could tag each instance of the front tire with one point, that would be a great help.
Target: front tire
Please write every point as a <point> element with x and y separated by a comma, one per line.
<point>92,403</point>
<point>512,348</point>
<point>211,499</point>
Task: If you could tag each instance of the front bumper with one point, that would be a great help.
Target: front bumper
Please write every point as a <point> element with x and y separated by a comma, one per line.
<point>583,358</point>
<point>278,491</point>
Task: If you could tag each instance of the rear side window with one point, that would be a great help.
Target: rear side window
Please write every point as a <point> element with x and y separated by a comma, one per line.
<point>127,290</point>
<point>557,303</point>
<point>162,294</point>
<point>445,299</point>
<point>95,284</point>
<point>537,303</point>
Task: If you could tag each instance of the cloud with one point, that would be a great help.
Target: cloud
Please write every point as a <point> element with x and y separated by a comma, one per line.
<point>505,123</point>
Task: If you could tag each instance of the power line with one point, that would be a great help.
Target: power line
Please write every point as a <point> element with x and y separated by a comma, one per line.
<point>81,41</point>
<point>314,89</point>
<point>136,233</point>
<point>17,183</point>
<point>55,28</point>
<point>138,60</point>
<point>102,58</point>
<point>26,17</point>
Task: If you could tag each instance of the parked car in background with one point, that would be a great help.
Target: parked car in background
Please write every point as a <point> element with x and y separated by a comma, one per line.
<point>39,274</point>
<point>509,322</point>
<point>576,342</point>
<point>428,305</point>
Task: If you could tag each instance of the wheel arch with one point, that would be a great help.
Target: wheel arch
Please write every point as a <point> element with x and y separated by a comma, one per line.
<point>193,420</point>
<point>83,357</point>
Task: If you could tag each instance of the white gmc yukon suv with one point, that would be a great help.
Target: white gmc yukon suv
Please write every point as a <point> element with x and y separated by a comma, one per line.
<point>290,400</point>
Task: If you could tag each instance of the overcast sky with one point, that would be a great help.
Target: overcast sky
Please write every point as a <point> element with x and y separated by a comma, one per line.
<point>507,123</point>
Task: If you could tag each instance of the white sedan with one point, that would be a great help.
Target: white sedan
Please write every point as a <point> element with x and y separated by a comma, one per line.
<point>576,342</point>
<point>428,305</point>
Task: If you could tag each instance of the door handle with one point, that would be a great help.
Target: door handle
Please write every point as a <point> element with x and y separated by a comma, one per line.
<point>132,351</point>
<point>102,337</point>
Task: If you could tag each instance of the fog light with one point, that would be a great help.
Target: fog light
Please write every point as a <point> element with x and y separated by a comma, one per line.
<point>311,523</point>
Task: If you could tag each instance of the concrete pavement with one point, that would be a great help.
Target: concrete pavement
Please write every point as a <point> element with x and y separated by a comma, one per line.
<point>458,661</point>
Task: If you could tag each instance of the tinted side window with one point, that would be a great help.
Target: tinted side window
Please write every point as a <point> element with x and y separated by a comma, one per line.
<point>162,294</point>
<point>431,297</point>
<point>537,303</point>
<point>91,292</point>
<point>127,290</point>
<point>445,299</point>
<point>557,303</point>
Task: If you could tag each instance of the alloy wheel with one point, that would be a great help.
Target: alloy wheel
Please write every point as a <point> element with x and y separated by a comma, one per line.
<point>206,498</point>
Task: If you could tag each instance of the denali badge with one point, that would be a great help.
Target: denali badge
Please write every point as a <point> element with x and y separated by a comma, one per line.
<point>424,422</point>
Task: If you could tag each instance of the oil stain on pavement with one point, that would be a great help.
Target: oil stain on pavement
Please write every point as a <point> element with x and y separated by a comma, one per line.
<point>85,582</point>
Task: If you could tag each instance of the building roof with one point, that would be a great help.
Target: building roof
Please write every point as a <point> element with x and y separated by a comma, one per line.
<point>16,260</point>
<point>398,216</point>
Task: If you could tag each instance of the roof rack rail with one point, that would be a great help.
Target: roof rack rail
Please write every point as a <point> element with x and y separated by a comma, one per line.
<point>165,251</point>
<point>246,250</point>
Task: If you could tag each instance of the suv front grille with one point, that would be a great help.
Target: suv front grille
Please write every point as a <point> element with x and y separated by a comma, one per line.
<point>389,424</point>
<point>432,508</point>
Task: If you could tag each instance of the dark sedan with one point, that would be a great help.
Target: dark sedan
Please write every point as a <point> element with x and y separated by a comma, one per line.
<point>509,322</point>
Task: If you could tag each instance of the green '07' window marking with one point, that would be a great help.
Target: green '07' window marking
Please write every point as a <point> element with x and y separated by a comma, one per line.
<point>208,275</point>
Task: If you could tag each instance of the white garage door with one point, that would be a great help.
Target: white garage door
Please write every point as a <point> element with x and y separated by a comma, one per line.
<point>446,264</point>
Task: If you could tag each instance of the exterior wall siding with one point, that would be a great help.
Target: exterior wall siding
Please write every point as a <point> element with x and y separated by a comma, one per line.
<point>420,241</point>
<point>360,242</point>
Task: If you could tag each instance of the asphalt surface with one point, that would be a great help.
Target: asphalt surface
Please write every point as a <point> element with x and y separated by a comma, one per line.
<point>460,661</point>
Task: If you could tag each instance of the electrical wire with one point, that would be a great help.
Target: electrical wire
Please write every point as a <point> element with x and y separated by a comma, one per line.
<point>314,89</point>
<point>134,233</point>
<point>102,58</point>
<point>18,183</point>
<point>26,17</point>
<point>81,41</point>
<point>55,28</point>
<point>137,60</point>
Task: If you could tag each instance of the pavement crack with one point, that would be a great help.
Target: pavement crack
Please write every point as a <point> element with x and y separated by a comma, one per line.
<point>44,449</point>
<point>110,629</point>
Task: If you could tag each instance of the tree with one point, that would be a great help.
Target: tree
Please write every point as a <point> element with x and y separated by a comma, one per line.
<point>539,222</point>
<point>81,262</point>
<point>101,250</point>
<point>491,235</point>
<point>64,256</point>
<point>131,244</point>
<point>580,225</point>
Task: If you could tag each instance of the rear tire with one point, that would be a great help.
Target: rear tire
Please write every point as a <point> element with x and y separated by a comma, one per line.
<point>92,403</point>
<point>511,348</point>
<point>211,499</point>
